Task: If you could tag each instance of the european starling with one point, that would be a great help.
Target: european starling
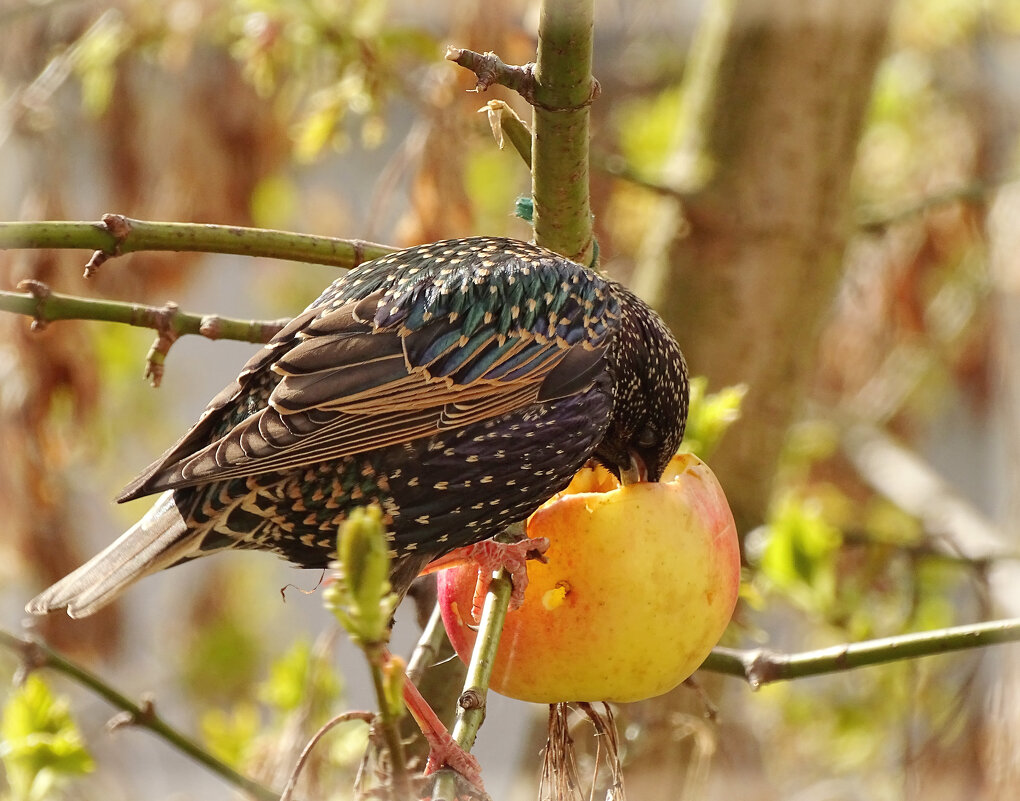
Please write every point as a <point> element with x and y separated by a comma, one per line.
<point>457,384</point>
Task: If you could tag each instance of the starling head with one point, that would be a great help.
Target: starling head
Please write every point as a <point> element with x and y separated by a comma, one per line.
<point>650,394</point>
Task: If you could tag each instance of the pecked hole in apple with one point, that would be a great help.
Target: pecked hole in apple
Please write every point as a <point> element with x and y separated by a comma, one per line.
<point>554,598</point>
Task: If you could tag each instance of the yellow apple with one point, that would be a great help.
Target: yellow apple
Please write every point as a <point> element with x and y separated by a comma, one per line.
<point>640,584</point>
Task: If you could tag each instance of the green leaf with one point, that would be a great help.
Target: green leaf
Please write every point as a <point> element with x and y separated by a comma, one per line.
<point>95,60</point>
<point>42,747</point>
<point>800,553</point>
<point>298,676</point>
<point>648,132</point>
<point>710,415</point>
<point>229,735</point>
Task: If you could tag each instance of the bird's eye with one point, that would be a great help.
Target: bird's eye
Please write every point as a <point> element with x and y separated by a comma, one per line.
<point>649,437</point>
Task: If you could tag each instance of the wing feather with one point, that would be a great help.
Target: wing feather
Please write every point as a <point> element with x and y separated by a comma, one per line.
<point>355,373</point>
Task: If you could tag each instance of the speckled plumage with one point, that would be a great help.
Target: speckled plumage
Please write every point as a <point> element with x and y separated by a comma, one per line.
<point>457,384</point>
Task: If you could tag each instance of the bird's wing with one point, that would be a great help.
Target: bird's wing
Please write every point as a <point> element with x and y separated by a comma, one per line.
<point>355,375</point>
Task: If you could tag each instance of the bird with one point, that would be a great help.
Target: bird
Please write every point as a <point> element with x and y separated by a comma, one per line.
<point>457,384</point>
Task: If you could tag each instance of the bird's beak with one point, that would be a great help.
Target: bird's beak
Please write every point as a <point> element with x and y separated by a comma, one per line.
<point>637,472</point>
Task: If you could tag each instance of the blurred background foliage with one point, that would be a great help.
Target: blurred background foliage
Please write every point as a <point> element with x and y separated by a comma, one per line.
<point>340,117</point>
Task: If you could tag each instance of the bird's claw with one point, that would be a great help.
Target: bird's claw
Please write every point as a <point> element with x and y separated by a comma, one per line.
<point>444,752</point>
<point>492,555</point>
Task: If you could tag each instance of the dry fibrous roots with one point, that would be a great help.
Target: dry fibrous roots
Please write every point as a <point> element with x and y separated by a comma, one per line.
<point>560,776</point>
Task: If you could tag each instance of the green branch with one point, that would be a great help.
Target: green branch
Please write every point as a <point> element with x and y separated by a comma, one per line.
<point>471,706</point>
<point>762,666</point>
<point>36,654</point>
<point>564,89</point>
<point>116,234</point>
<point>45,306</point>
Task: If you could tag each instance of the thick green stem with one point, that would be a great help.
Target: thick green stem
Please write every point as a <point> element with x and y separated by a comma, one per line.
<point>116,234</point>
<point>36,654</point>
<point>564,88</point>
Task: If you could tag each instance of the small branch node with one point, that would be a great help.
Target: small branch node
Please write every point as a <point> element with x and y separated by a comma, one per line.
<point>471,699</point>
<point>32,657</point>
<point>210,326</point>
<point>155,359</point>
<point>39,291</point>
<point>119,227</point>
<point>593,94</point>
<point>760,668</point>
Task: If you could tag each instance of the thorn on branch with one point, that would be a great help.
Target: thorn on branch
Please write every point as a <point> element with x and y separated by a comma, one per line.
<point>167,335</point>
<point>39,291</point>
<point>119,227</point>
<point>31,657</point>
<point>144,717</point>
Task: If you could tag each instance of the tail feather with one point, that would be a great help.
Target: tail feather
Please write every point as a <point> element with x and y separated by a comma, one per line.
<point>158,540</point>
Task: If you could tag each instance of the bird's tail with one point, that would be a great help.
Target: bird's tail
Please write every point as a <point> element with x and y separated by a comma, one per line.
<point>160,539</point>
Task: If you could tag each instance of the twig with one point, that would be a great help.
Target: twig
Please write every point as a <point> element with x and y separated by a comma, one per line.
<point>44,306</point>
<point>344,717</point>
<point>489,69</point>
<point>471,706</point>
<point>37,654</point>
<point>116,234</point>
<point>876,220</point>
<point>910,482</point>
<point>762,666</point>
<point>428,646</point>
<point>380,661</point>
<point>617,166</point>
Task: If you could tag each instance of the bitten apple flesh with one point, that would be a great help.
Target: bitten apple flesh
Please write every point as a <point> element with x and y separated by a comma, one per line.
<point>640,585</point>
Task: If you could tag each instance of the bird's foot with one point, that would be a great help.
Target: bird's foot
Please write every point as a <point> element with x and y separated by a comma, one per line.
<point>492,555</point>
<point>444,751</point>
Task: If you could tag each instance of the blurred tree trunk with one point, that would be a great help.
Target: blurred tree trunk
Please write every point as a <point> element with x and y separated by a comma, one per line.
<point>744,272</point>
<point>1001,741</point>
<point>999,109</point>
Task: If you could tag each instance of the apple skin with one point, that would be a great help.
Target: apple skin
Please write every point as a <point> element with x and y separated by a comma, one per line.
<point>640,585</point>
